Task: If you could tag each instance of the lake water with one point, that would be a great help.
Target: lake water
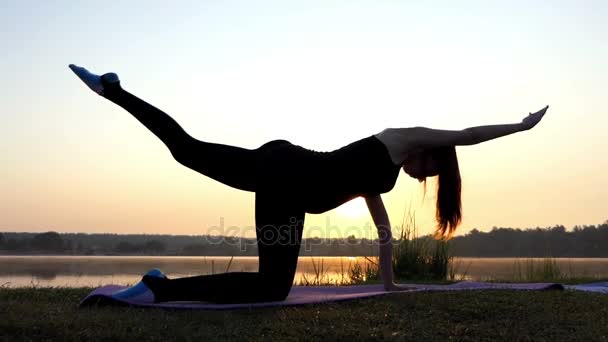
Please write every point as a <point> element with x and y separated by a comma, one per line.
<point>86,271</point>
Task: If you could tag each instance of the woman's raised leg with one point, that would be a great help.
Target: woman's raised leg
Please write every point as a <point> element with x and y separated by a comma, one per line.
<point>231,165</point>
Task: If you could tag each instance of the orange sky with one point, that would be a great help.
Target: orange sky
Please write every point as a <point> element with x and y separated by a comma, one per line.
<point>323,76</point>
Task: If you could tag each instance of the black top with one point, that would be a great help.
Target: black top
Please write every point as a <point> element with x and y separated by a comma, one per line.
<point>321,181</point>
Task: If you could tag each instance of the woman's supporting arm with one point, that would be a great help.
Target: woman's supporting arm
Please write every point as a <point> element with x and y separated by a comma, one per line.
<point>380,218</point>
<point>422,137</point>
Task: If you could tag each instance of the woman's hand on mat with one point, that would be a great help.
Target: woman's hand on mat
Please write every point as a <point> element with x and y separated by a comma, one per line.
<point>533,119</point>
<point>398,287</point>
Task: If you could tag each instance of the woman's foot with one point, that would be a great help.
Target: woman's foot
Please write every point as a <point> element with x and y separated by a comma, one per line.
<point>95,82</point>
<point>158,286</point>
<point>139,290</point>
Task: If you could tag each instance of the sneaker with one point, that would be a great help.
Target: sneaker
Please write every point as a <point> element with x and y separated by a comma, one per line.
<point>93,81</point>
<point>139,290</point>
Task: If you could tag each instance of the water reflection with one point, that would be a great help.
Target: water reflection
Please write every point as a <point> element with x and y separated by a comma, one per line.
<point>79,271</point>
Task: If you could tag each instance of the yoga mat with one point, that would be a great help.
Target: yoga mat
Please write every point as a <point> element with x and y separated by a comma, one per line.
<point>599,287</point>
<point>301,295</point>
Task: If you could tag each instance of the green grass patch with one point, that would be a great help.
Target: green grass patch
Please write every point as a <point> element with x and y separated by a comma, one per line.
<point>52,314</point>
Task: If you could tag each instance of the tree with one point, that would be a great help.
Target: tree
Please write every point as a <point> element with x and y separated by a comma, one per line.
<point>13,245</point>
<point>68,246</point>
<point>126,248</point>
<point>80,249</point>
<point>194,249</point>
<point>47,242</point>
<point>154,247</point>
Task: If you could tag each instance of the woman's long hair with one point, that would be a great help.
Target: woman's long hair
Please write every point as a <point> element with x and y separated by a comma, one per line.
<point>448,212</point>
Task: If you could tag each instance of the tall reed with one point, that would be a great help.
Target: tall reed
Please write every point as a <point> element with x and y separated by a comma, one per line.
<point>545,269</point>
<point>416,257</point>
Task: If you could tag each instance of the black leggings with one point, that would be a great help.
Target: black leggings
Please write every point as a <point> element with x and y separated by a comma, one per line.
<point>279,220</point>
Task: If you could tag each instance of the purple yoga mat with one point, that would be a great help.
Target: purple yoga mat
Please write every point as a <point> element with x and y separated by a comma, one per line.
<point>301,295</point>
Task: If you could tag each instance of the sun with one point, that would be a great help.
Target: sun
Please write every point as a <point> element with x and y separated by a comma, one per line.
<point>354,208</point>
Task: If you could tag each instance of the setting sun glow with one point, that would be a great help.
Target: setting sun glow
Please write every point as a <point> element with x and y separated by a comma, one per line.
<point>319,74</point>
<point>355,208</point>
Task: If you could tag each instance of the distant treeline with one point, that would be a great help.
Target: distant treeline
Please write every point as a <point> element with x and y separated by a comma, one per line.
<point>580,241</point>
<point>176,245</point>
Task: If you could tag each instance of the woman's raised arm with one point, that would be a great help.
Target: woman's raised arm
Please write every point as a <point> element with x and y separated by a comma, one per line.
<point>422,137</point>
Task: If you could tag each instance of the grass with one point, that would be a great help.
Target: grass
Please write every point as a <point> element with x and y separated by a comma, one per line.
<point>425,260</point>
<point>321,277</point>
<point>526,271</point>
<point>548,270</point>
<point>493,315</point>
<point>368,273</point>
<point>353,274</point>
<point>416,257</point>
<point>531,270</point>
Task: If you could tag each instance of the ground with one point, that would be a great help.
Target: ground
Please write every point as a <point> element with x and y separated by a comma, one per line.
<point>52,314</point>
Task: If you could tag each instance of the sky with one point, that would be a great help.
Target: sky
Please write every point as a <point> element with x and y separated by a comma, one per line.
<point>321,74</point>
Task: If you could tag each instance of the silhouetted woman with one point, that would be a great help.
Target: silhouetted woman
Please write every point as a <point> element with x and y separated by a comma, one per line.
<point>290,181</point>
